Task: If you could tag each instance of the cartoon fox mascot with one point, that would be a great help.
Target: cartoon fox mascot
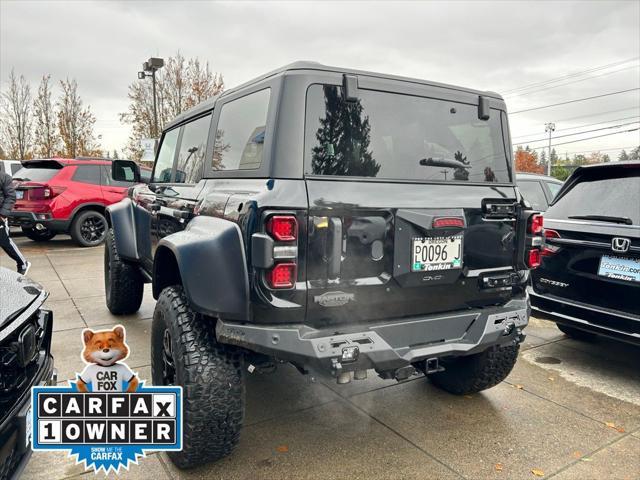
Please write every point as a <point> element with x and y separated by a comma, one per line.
<point>102,352</point>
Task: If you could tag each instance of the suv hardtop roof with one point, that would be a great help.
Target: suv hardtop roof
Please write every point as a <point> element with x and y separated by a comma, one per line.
<point>310,65</point>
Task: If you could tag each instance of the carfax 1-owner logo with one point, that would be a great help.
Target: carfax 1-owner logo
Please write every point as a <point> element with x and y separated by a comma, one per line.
<point>107,418</point>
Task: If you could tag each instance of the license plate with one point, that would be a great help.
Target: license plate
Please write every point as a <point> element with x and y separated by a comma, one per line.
<point>436,253</point>
<point>28,428</point>
<point>19,194</point>
<point>620,268</point>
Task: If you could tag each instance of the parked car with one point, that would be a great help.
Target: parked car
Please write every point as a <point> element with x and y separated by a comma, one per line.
<point>10,166</point>
<point>25,361</point>
<point>338,220</point>
<point>589,279</point>
<point>538,190</point>
<point>66,196</point>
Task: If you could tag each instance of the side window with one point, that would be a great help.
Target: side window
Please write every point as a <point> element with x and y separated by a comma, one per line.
<point>533,193</point>
<point>164,163</point>
<point>87,174</point>
<point>241,133</point>
<point>554,188</point>
<point>193,148</point>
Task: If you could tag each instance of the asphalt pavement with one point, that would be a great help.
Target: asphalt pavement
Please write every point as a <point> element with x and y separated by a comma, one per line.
<point>569,409</point>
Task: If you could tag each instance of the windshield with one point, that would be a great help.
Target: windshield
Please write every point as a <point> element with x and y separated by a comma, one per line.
<point>393,136</point>
<point>35,174</point>
<point>610,192</point>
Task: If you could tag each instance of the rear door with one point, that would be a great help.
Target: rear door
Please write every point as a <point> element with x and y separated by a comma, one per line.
<point>411,203</point>
<point>593,240</point>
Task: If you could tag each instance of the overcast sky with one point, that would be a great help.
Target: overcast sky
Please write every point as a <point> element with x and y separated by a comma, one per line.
<point>496,46</point>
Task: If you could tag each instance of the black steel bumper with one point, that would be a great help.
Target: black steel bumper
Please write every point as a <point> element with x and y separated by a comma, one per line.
<point>31,219</point>
<point>384,346</point>
<point>15,442</point>
<point>609,323</point>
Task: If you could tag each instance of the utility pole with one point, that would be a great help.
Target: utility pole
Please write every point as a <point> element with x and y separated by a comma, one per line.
<point>549,127</point>
<point>149,69</point>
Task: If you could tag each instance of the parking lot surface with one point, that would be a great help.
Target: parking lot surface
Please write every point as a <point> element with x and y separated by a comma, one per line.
<point>569,409</point>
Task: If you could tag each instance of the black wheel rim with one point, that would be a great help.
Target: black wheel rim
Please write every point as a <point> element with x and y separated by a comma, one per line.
<point>93,229</point>
<point>168,364</point>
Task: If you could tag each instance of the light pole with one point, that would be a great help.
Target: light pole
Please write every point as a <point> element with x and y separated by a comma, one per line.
<point>549,127</point>
<point>149,69</point>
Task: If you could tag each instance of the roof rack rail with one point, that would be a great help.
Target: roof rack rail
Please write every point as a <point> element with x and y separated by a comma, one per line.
<point>95,158</point>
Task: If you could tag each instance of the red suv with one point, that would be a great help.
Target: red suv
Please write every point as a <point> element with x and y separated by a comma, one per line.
<point>66,196</point>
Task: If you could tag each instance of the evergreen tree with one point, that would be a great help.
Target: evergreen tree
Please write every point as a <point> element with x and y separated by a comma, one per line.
<point>606,158</point>
<point>554,157</point>
<point>343,139</point>
<point>115,155</point>
<point>623,156</point>
<point>635,154</point>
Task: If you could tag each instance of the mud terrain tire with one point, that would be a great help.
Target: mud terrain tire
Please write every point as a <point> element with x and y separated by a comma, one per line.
<point>211,375</point>
<point>474,373</point>
<point>123,284</point>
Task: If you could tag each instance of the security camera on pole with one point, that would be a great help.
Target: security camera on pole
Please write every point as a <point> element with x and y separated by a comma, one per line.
<point>549,127</point>
<point>149,69</point>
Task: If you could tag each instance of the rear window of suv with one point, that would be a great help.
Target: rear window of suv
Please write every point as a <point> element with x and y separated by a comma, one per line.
<point>611,191</point>
<point>402,137</point>
<point>36,174</point>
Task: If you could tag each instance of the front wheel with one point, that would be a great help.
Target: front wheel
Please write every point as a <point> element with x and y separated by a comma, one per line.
<point>123,284</point>
<point>89,228</point>
<point>184,352</point>
<point>474,373</point>
<point>38,235</point>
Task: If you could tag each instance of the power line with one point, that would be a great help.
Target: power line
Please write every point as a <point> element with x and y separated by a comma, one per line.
<point>513,95</point>
<point>580,133</point>
<point>576,100</point>
<point>588,138</point>
<point>597,114</point>
<point>579,126</point>
<point>600,150</point>
<point>571,75</point>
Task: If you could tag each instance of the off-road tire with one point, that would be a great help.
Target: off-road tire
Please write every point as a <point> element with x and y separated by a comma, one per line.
<point>38,235</point>
<point>77,225</point>
<point>211,375</point>
<point>123,283</point>
<point>474,373</point>
<point>577,333</point>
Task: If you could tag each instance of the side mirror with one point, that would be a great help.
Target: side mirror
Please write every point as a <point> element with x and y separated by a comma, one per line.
<point>125,171</point>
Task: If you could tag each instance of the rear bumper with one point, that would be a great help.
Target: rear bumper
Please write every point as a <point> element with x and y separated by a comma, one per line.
<point>384,346</point>
<point>31,219</point>
<point>610,323</point>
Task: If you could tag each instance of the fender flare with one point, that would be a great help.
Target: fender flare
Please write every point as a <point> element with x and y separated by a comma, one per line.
<point>120,217</point>
<point>211,262</point>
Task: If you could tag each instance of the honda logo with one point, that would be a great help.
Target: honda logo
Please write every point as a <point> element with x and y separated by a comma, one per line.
<point>619,244</point>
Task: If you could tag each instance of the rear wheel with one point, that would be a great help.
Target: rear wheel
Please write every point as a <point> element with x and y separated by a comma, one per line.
<point>577,333</point>
<point>123,284</point>
<point>474,373</point>
<point>184,351</point>
<point>38,235</point>
<point>89,228</point>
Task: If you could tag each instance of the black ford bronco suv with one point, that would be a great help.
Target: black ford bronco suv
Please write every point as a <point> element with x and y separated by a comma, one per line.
<point>339,220</point>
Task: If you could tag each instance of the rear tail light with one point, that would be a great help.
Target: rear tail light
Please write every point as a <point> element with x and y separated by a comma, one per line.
<point>549,249</point>
<point>283,228</point>
<point>282,275</point>
<point>533,258</point>
<point>536,224</point>
<point>444,222</point>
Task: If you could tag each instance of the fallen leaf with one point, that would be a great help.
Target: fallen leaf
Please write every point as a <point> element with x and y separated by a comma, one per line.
<point>499,467</point>
<point>610,424</point>
<point>552,379</point>
<point>620,429</point>
<point>537,472</point>
<point>282,448</point>
<point>577,454</point>
<point>585,459</point>
<point>519,387</point>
